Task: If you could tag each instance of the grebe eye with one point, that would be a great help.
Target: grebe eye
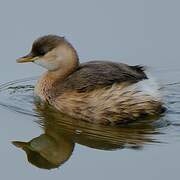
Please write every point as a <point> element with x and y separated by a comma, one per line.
<point>41,53</point>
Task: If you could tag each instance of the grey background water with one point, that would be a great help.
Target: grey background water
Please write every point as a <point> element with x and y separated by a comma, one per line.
<point>135,32</point>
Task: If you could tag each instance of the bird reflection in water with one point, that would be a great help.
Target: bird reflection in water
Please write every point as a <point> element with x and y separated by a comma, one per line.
<point>55,146</point>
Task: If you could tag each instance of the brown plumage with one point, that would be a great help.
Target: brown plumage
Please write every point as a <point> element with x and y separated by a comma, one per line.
<point>97,91</point>
<point>97,74</point>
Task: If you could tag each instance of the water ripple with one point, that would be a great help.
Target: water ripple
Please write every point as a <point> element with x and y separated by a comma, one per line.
<point>18,96</point>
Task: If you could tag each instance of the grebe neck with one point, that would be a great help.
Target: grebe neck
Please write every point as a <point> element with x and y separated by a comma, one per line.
<point>47,81</point>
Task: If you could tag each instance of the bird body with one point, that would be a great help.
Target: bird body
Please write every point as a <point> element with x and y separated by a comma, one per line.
<point>100,92</point>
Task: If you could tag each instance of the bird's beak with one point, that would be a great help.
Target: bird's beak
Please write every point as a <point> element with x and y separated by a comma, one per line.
<point>27,58</point>
<point>19,144</point>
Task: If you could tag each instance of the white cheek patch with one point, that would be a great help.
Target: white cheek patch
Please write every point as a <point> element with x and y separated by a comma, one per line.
<point>48,65</point>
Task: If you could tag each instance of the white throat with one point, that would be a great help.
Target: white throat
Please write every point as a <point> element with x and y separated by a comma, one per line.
<point>45,64</point>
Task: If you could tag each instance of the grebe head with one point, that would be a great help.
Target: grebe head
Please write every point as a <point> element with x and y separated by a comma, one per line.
<point>52,52</point>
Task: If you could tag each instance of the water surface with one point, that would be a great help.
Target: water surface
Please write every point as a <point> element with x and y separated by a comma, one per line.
<point>72,145</point>
<point>134,32</point>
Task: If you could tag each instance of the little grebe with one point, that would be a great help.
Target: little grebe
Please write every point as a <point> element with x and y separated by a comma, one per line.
<point>97,91</point>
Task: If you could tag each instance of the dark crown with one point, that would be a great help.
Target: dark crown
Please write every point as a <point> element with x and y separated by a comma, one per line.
<point>44,44</point>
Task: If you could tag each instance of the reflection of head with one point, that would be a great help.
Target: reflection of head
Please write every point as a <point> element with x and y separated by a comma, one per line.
<point>45,152</point>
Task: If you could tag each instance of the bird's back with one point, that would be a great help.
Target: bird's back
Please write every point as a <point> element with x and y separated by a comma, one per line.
<point>98,74</point>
